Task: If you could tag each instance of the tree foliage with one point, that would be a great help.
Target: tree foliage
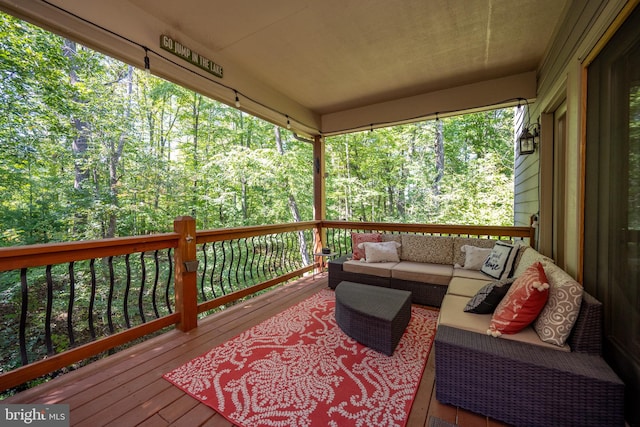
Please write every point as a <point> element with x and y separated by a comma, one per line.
<point>92,148</point>
<point>457,170</point>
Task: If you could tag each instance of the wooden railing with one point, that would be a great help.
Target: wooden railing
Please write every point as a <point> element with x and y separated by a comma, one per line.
<point>66,302</point>
<point>338,233</point>
<point>63,303</point>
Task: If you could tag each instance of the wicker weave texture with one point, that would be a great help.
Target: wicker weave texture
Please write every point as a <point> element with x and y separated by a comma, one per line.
<point>421,293</point>
<point>374,316</point>
<point>523,384</point>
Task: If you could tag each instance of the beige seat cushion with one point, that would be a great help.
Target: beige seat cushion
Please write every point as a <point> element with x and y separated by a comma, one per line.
<point>380,269</point>
<point>452,314</point>
<point>436,274</point>
<point>466,287</point>
<point>471,274</point>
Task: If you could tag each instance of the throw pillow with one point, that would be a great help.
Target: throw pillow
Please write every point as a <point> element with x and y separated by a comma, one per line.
<point>556,320</point>
<point>526,257</point>
<point>524,301</point>
<point>357,238</point>
<point>380,252</point>
<point>474,257</point>
<point>500,261</point>
<point>488,297</point>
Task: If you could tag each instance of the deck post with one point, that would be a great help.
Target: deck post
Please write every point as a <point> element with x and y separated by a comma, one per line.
<point>319,195</point>
<point>186,273</point>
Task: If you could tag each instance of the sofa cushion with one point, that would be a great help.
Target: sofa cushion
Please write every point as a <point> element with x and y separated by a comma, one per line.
<point>435,274</point>
<point>472,274</point>
<point>380,251</point>
<point>522,304</point>
<point>427,249</point>
<point>488,297</point>
<point>452,314</point>
<point>465,286</point>
<point>557,318</point>
<point>380,269</point>
<point>500,262</point>
<point>526,258</point>
<point>358,238</point>
<point>459,242</point>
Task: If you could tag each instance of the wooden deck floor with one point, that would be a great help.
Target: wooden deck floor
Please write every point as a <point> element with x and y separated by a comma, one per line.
<point>127,389</point>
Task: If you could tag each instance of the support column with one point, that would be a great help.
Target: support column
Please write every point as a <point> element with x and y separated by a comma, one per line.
<point>319,194</point>
<point>186,267</point>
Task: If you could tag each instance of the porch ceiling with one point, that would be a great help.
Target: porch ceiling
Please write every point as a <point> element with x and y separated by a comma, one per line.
<point>328,64</point>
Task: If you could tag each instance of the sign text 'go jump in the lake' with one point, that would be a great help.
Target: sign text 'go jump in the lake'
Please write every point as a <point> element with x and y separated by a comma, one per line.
<point>178,49</point>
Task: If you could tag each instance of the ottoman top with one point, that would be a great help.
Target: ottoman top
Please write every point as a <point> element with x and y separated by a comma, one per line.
<point>383,303</point>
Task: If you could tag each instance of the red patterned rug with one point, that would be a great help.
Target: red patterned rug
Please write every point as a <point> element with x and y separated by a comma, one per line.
<point>299,369</point>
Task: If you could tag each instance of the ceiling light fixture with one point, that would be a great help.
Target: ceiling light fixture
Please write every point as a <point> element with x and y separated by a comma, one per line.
<point>530,136</point>
<point>529,139</point>
<point>237,99</point>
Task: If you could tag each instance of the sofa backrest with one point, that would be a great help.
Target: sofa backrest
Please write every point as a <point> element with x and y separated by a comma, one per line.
<point>429,249</point>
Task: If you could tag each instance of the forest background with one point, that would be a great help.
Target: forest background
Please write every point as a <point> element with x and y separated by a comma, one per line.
<point>92,148</point>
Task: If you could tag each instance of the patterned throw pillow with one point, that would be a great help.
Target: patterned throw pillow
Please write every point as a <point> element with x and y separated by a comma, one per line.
<point>556,320</point>
<point>357,238</point>
<point>522,304</point>
<point>500,262</point>
<point>488,297</point>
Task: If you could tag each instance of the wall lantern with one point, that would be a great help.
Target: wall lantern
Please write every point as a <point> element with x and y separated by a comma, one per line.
<point>529,139</point>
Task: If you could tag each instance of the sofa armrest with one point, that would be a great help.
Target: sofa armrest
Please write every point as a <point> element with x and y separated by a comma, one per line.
<point>524,384</point>
<point>586,335</point>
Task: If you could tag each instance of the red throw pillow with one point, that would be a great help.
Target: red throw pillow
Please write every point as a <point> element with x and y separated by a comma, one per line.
<point>357,238</point>
<point>524,301</point>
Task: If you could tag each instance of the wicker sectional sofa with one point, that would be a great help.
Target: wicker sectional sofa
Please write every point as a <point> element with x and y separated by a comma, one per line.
<point>427,265</point>
<point>517,378</point>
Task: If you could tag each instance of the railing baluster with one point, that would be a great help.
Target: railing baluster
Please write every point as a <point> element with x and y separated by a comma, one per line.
<point>92,267</point>
<point>155,284</point>
<point>23,316</point>
<point>169,281</point>
<point>204,270</point>
<point>253,256</point>
<point>72,296</point>
<point>246,260</point>
<point>143,279</point>
<point>111,291</point>
<point>289,245</point>
<point>213,269</point>
<point>273,256</point>
<point>126,291</point>
<point>47,324</point>
<point>261,263</point>
<point>222,267</point>
<point>239,283</point>
<point>229,270</point>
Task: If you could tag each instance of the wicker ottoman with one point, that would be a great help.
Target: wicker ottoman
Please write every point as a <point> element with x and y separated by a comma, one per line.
<point>372,315</point>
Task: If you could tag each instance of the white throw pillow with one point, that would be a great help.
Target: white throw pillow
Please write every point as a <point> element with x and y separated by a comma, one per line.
<point>500,261</point>
<point>474,256</point>
<point>380,252</point>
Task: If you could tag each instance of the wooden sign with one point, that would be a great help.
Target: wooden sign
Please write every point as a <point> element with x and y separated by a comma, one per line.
<point>180,50</point>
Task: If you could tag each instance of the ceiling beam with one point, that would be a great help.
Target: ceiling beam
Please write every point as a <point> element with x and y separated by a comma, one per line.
<point>480,96</point>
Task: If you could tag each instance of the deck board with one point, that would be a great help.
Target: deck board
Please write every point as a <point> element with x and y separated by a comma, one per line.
<point>127,388</point>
